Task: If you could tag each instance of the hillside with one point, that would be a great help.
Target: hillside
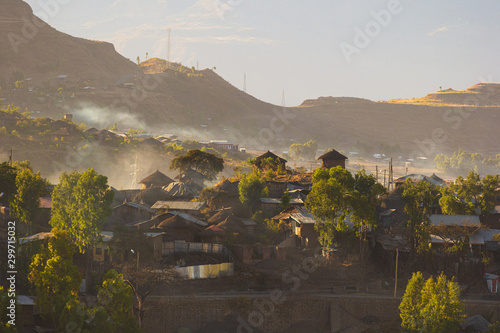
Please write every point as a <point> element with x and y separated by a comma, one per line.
<point>103,88</point>
<point>33,49</point>
<point>480,94</point>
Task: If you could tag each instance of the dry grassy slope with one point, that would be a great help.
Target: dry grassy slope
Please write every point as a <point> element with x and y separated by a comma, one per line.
<point>49,53</point>
<point>470,128</point>
<point>186,102</point>
<point>483,94</point>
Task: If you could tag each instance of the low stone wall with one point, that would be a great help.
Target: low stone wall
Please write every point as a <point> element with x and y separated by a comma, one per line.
<point>276,312</point>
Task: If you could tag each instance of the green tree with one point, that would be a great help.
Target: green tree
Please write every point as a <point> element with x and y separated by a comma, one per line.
<point>30,186</point>
<point>54,277</point>
<point>116,299</point>
<point>81,203</point>
<point>329,201</point>
<point>431,306</point>
<point>419,199</point>
<point>471,195</point>
<point>251,189</point>
<point>207,164</point>
<point>306,151</point>
<point>364,199</point>
<point>5,326</point>
<point>285,200</point>
<point>8,176</point>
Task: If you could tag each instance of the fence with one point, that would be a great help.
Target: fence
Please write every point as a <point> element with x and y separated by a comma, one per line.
<point>206,271</point>
<point>176,247</point>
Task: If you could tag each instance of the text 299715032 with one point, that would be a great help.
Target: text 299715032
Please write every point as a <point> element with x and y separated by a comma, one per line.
<point>11,273</point>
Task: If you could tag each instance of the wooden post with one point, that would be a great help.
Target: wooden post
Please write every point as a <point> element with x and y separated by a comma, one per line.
<point>396,282</point>
<point>376,172</point>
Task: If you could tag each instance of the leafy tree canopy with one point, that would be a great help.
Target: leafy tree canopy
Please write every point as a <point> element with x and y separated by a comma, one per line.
<point>251,189</point>
<point>54,277</point>
<point>337,196</point>
<point>81,203</point>
<point>471,195</point>
<point>431,306</point>
<point>419,199</point>
<point>206,163</point>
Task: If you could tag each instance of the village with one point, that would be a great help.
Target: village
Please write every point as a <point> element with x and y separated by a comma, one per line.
<point>260,230</point>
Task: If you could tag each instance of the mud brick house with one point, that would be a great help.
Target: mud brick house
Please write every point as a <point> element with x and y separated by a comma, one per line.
<point>332,159</point>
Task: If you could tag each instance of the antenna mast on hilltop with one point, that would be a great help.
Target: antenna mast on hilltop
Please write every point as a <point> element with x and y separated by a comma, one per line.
<point>245,82</point>
<point>283,98</point>
<point>168,46</point>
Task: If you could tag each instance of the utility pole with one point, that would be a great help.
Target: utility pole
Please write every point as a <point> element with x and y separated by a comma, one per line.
<point>384,177</point>
<point>390,180</point>
<point>10,157</point>
<point>283,98</point>
<point>376,172</point>
<point>396,280</point>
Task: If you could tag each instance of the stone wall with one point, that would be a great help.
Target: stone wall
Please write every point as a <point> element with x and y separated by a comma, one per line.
<point>279,311</point>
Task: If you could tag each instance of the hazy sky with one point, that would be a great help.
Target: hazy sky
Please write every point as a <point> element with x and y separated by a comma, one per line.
<point>363,48</point>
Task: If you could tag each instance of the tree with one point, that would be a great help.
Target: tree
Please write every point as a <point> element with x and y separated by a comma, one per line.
<point>431,306</point>
<point>419,198</point>
<point>144,280</point>
<point>364,199</point>
<point>5,306</point>
<point>470,195</point>
<point>285,200</point>
<point>336,196</point>
<point>251,188</point>
<point>306,151</point>
<point>30,187</point>
<point>116,299</point>
<point>81,204</point>
<point>328,202</point>
<point>55,279</point>
<point>207,164</point>
<point>7,182</point>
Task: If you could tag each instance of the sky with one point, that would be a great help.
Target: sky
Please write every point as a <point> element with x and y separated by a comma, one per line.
<point>371,49</point>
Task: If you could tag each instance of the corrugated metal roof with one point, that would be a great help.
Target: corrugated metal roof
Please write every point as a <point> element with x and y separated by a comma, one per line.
<point>460,220</point>
<point>303,218</point>
<point>139,206</point>
<point>179,205</point>
<point>190,218</point>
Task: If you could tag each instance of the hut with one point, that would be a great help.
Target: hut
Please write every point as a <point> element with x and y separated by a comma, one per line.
<point>151,195</point>
<point>156,179</point>
<point>332,159</point>
<point>179,191</point>
<point>280,162</point>
<point>220,216</point>
<point>177,228</point>
<point>193,178</point>
<point>232,224</point>
<point>225,194</point>
<point>212,234</point>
